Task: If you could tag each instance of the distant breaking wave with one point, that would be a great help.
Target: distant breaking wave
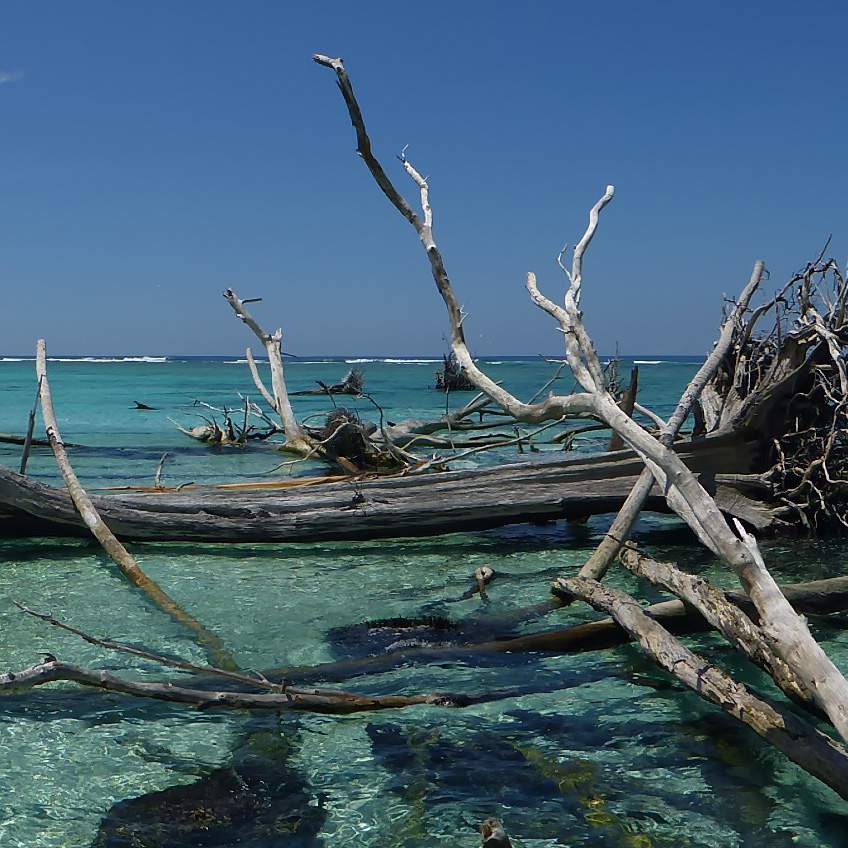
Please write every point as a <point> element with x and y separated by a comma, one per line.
<point>87,359</point>
<point>108,359</point>
<point>391,361</point>
<point>648,361</point>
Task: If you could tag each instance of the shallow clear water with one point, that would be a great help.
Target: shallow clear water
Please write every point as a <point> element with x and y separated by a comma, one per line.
<point>592,749</point>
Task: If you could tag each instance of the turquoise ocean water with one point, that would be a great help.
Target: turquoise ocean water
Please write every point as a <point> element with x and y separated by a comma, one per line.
<point>598,749</point>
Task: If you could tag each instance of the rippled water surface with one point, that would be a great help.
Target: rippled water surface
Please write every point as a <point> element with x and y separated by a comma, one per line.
<point>594,749</point>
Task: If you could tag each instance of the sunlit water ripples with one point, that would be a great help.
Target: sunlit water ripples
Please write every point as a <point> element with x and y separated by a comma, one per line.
<point>600,749</point>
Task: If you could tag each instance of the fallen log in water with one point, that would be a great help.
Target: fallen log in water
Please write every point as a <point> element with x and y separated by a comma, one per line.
<point>14,439</point>
<point>425,505</point>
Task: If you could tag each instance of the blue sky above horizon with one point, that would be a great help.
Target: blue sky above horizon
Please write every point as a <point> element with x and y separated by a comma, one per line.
<point>153,154</point>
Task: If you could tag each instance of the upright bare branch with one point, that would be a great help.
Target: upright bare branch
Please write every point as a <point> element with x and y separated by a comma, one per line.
<point>296,438</point>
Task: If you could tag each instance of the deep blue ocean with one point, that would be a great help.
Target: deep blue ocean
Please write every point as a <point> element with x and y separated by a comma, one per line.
<point>594,749</point>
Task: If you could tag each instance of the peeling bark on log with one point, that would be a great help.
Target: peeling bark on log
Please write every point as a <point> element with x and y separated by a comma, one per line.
<point>424,505</point>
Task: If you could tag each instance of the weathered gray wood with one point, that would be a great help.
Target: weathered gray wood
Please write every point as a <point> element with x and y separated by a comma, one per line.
<point>801,742</point>
<point>424,505</point>
<point>724,616</point>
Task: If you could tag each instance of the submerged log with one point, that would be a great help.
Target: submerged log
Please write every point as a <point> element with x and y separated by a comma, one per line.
<point>816,597</point>
<point>15,439</point>
<point>425,505</point>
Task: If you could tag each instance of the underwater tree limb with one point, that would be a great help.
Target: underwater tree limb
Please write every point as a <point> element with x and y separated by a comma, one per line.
<point>100,530</point>
<point>261,682</point>
<point>812,750</point>
<point>292,698</point>
<point>819,596</point>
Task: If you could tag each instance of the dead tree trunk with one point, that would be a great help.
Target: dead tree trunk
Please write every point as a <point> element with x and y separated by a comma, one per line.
<point>628,402</point>
<point>787,635</point>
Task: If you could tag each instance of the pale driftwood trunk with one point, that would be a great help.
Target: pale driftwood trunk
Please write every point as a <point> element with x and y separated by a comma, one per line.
<point>789,637</point>
<point>811,749</point>
<point>116,551</point>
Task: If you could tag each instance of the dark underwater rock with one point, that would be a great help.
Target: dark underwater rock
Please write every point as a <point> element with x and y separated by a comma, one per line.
<point>393,634</point>
<point>259,801</point>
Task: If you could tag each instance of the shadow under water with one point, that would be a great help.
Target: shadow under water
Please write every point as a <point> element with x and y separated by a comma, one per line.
<point>258,801</point>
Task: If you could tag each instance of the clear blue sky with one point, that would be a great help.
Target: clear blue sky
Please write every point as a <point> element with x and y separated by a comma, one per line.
<point>153,153</point>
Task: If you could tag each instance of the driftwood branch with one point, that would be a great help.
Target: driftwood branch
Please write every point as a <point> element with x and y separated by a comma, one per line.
<point>254,372</point>
<point>292,698</point>
<point>726,618</point>
<point>118,553</point>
